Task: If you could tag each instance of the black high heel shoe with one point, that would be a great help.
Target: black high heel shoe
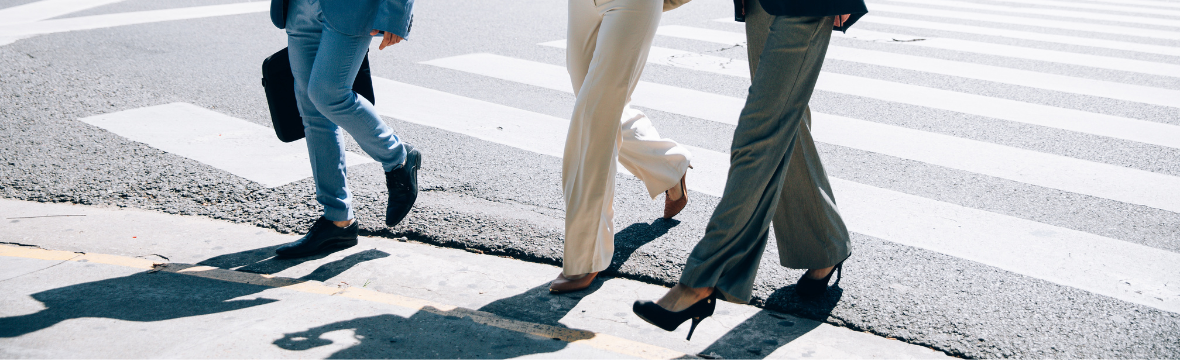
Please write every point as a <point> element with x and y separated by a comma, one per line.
<point>809,288</point>
<point>669,320</point>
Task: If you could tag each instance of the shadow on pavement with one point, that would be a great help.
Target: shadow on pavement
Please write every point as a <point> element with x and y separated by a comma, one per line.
<point>423,335</point>
<point>538,306</point>
<point>767,330</point>
<point>157,296</point>
<point>635,236</point>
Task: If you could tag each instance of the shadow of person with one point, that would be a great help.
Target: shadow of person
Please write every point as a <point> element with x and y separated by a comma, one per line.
<point>260,260</point>
<point>537,305</point>
<point>634,237</point>
<point>766,331</point>
<point>421,336</point>
<point>156,296</point>
<point>140,297</point>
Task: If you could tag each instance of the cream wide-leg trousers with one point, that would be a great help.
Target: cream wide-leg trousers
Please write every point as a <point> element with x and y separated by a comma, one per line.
<point>606,49</point>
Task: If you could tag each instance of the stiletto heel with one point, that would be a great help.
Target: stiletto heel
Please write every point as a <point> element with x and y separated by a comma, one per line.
<point>695,321</point>
<point>669,320</point>
<point>809,288</point>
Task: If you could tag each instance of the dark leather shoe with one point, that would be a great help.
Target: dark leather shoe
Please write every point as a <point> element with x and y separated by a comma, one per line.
<point>403,187</point>
<point>324,236</point>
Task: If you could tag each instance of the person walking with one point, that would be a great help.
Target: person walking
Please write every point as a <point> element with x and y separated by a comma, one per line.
<point>775,171</point>
<point>606,49</point>
<point>327,41</point>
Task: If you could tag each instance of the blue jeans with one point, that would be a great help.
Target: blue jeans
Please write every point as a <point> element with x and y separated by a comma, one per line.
<point>324,63</point>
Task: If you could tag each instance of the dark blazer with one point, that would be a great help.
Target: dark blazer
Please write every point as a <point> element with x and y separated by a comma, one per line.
<point>809,8</point>
<point>357,17</point>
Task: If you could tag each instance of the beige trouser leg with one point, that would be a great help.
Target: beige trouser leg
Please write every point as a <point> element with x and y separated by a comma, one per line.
<point>606,49</point>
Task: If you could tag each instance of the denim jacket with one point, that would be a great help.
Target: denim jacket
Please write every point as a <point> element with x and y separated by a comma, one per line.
<point>357,17</point>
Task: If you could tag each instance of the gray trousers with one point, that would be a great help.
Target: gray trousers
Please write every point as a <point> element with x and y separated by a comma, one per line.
<point>775,172</point>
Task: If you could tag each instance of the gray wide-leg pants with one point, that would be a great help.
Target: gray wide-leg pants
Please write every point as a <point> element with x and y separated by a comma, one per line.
<point>774,172</point>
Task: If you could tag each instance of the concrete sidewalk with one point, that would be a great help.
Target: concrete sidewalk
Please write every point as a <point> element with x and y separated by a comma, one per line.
<point>79,281</point>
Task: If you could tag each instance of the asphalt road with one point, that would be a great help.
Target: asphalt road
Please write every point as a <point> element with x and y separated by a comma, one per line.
<point>502,200</point>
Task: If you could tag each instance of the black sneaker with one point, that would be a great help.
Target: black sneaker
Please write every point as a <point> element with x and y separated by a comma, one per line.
<point>324,236</point>
<point>403,187</point>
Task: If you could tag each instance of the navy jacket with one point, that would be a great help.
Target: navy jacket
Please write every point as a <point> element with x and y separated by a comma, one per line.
<point>357,17</point>
<point>808,8</point>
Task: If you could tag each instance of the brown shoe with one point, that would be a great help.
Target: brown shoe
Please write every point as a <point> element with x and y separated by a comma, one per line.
<point>563,284</point>
<point>673,207</point>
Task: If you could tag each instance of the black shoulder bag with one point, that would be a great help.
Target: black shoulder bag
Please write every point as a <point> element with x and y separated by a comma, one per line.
<point>280,93</point>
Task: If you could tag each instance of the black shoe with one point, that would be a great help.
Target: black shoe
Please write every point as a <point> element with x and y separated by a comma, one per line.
<point>403,187</point>
<point>324,236</point>
<point>809,288</point>
<point>669,320</point>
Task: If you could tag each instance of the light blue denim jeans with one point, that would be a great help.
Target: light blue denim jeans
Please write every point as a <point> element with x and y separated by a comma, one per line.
<point>325,62</point>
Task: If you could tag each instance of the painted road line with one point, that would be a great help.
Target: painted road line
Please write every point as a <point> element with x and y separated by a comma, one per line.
<point>1020,52</point>
<point>47,9</point>
<point>1014,34</point>
<point>1033,79</point>
<point>1120,7</point>
<point>686,102</point>
<point>129,18</point>
<point>237,146</point>
<point>538,133</point>
<point>1102,16</point>
<point>1053,171</point>
<point>583,337</point>
<point>1027,21</point>
<point>1102,265</point>
<point>1004,109</point>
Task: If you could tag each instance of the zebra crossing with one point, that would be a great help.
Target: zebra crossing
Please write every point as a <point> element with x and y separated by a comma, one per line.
<point>1073,54</point>
<point>1090,262</point>
<point>1073,258</point>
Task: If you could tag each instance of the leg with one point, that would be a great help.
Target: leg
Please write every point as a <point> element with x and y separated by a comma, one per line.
<point>807,225</point>
<point>658,162</point>
<point>330,90</point>
<point>727,257</point>
<point>325,141</point>
<point>592,145</point>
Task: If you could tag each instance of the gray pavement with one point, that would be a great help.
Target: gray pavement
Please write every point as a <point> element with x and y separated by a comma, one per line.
<point>504,201</point>
<point>131,283</point>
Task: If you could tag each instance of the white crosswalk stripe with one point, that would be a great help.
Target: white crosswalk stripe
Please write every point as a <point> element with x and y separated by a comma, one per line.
<point>1027,21</point>
<point>1015,34</point>
<point>237,146</point>
<point>1136,20</point>
<point>47,9</point>
<point>1068,257</point>
<point>902,41</point>
<point>13,31</point>
<point>1043,115</point>
<point>1121,5</point>
<point>1102,265</point>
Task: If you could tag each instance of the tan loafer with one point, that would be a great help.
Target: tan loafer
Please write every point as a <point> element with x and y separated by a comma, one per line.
<point>563,284</point>
<point>673,207</point>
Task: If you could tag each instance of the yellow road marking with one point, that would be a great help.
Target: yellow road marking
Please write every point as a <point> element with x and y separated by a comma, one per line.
<point>588,338</point>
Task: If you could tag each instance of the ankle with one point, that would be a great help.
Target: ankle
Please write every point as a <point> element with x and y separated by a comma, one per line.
<point>343,224</point>
<point>819,274</point>
<point>675,193</point>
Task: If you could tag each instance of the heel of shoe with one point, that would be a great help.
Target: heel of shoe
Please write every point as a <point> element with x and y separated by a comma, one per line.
<point>693,327</point>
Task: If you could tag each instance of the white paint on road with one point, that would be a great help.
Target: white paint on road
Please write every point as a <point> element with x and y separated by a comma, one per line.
<point>237,146</point>
<point>47,9</point>
<point>1018,52</point>
<point>1014,34</point>
<point>1120,7</point>
<point>1101,265</point>
<point>1042,115</point>
<point>1053,171</point>
<point>1026,78</point>
<point>1101,16</point>
<point>951,15</point>
<point>128,18</point>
